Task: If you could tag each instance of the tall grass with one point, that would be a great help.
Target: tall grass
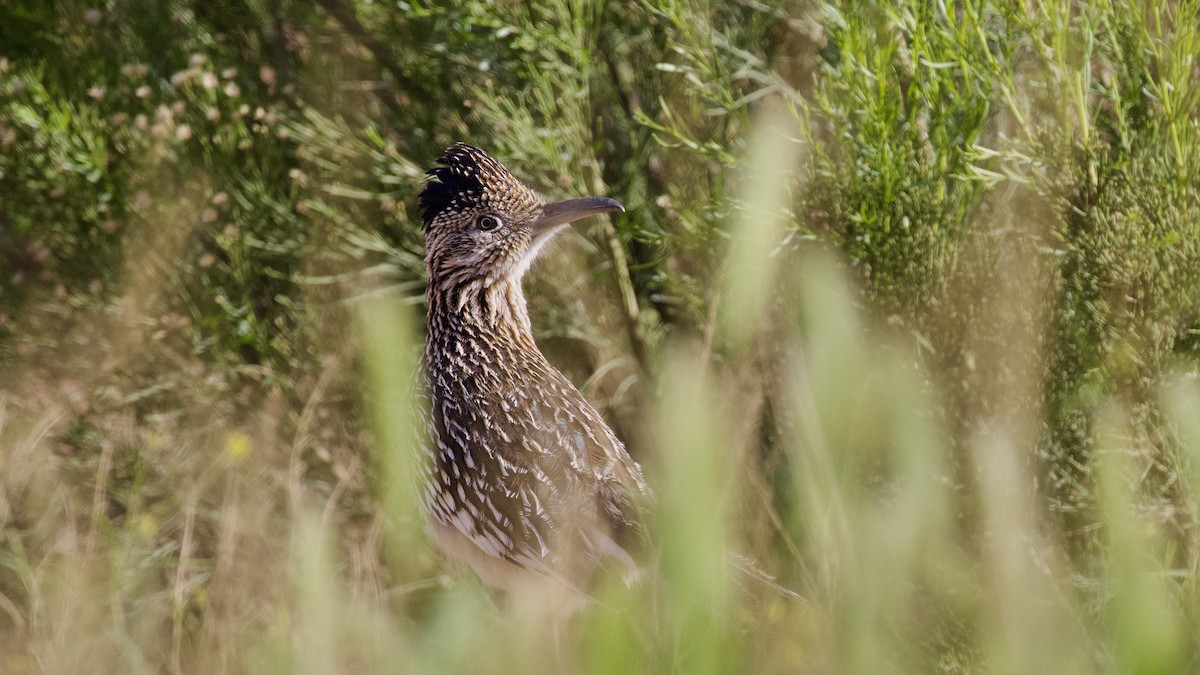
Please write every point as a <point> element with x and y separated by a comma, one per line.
<point>903,315</point>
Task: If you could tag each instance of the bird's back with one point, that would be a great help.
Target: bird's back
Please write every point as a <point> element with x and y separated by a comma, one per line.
<point>522,467</point>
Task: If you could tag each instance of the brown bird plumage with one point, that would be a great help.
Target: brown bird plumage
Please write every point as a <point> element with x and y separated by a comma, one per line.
<point>523,474</point>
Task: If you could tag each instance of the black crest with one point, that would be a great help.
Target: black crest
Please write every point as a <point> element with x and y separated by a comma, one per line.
<point>462,181</point>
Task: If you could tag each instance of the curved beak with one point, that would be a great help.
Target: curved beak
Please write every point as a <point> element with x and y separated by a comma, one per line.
<point>562,213</point>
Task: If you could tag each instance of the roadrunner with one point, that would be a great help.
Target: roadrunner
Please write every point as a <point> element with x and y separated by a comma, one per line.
<point>524,478</point>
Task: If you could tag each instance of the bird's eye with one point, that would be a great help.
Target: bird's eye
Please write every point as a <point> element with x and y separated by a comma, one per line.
<point>488,223</point>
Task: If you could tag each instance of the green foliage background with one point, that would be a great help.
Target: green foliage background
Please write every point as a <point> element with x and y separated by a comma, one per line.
<point>198,199</point>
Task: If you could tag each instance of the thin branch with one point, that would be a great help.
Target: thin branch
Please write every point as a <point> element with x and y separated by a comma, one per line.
<point>630,103</point>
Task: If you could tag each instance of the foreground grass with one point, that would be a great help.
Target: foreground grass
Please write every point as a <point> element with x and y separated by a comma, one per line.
<point>192,544</point>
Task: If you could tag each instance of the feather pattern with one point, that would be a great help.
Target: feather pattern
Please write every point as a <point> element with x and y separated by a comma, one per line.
<point>519,467</point>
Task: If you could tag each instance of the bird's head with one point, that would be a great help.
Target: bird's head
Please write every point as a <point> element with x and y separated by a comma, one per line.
<point>483,225</point>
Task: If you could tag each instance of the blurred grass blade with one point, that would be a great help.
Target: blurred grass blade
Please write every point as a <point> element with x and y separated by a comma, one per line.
<point>392,396</point>
<point>694,476</point>
<point>767,178</point>
<point>1147,629</point>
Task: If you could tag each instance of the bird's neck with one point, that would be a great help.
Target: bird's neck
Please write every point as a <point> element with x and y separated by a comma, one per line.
<point>478,309</point>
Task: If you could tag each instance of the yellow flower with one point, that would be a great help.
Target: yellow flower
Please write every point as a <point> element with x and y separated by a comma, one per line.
<point>237,447</point>
<point>155,441</point>
<point>147,526</point>
<point>200,597</point>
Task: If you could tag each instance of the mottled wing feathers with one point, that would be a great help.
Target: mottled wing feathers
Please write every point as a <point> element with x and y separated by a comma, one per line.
<point>521,474</point>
